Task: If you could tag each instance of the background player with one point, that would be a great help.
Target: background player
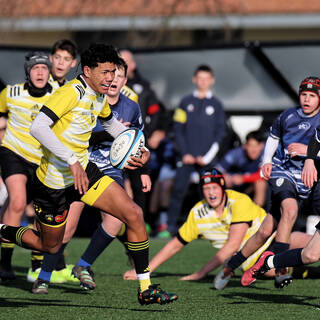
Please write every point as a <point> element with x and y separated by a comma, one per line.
<point>288,140</point>
<point>20,153</point>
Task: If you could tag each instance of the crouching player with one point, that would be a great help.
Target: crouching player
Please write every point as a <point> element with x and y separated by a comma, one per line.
<point>226,218</point>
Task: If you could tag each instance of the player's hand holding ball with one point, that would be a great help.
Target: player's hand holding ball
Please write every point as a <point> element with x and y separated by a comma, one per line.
<point>128,150</point>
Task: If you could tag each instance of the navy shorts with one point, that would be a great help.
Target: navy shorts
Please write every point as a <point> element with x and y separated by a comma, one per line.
<point>280,189</point>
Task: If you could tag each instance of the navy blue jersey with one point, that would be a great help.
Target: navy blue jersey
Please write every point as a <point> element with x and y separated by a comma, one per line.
<point>198,123</point>
<point>128,111</point>
<point>292,126</point>
<point>237,161</point>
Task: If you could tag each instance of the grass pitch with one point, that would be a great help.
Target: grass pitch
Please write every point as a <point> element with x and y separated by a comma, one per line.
<point>115,298</point>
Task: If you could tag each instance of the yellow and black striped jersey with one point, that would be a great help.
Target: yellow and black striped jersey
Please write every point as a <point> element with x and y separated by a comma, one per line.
<point>77,107</point>
<point>125,90</point>
<point>22,108</point>
<point>54,83</point>
<point>204,222</point>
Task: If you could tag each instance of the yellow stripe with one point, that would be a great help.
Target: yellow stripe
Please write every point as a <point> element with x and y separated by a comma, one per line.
<point>56,226</point>
<point>180,116</point>
<point>122,231</point>
<point>96,190</point>
<point>7,245</point>
<point>19,235</point>
<point>138,246</point>
<point>255,256</point>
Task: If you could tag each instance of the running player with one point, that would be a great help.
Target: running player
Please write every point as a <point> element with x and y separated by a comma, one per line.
<point>63,127</point>
<point>289,137</point>
<point>128,112</point>
<point>20,153</point>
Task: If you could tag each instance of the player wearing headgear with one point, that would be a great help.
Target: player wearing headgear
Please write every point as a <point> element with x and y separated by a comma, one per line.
<point>20,153</point>
<point>64,126</point>
<point>283,161</point>
<point>225,217</point>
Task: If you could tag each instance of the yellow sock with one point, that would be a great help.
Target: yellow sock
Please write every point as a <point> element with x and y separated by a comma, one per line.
<point>144,284</point>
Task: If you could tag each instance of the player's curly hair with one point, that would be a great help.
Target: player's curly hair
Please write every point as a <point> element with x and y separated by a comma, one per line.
<point>99,53</point>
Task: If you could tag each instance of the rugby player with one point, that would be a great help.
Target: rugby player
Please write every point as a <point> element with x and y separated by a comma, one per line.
<point>283,161</point>
<point>20,153</point>
<point>63,127</point>
<point>127,110</point>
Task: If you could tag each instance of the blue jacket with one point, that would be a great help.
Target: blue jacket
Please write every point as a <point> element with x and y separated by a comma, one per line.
<point>198,123</point>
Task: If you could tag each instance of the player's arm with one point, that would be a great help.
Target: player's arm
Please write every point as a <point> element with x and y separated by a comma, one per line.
<point>309,172</point>
<point>169,250</point>
<point>236,234</point>
<point>3,103</point>
<point>269,150</point>
<point>41,130</point>
<point>114,127</point>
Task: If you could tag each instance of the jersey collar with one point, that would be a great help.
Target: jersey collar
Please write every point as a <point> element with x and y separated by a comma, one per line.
<point>209,94</point>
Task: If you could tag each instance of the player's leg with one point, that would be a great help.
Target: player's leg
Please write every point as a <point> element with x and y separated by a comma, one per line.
<point>108,196</point>
<point>260,191</point>
<point>247,256</point>
<point>16,186</point>
<point>102,237</point>
<point>48,271</point>
<point>179,190</point>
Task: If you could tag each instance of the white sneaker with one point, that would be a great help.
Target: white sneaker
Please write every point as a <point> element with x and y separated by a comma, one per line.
<point>222,278</point>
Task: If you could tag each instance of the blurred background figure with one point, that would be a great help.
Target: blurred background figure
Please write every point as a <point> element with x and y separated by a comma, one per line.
<point>199,128</point>
<point>241,167</point>
<point>155,121</point>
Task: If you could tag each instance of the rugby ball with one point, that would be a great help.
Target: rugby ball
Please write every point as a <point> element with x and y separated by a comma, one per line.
<point>126,145</point>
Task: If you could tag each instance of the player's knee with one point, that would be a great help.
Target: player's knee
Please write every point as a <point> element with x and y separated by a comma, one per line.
<point>135,215</point>
<point>310,257</point>
<point>17,207</point>
<point>264,233</point>
<point>289,214</point>
<point>51,247</point>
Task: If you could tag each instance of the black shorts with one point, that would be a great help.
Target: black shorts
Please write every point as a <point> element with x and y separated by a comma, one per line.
<point>52,205</point>
<point>11,164</point>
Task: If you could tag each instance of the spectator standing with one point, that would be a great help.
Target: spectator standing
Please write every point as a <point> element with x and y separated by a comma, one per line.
<point>199,127</point>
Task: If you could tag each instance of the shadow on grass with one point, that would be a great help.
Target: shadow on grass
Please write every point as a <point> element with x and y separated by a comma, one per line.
<point>24,303</point>
<point>249,298</point>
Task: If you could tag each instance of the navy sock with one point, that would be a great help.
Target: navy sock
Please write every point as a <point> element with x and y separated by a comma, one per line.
<point>290,258</point>
<point>50,260</point>
<point>99,241</point>
<point>237,260</point>
<point>279,247</point>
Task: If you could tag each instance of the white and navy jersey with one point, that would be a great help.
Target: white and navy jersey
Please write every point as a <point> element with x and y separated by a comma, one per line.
<point>292,126</point>
<point>127,110</point>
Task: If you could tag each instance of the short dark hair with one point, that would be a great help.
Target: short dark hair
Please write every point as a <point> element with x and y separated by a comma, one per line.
<point>99,53</point>
<point>257,135</point>
<point>67,45</point>
<point>203,67</point>
<point>122,64</point>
